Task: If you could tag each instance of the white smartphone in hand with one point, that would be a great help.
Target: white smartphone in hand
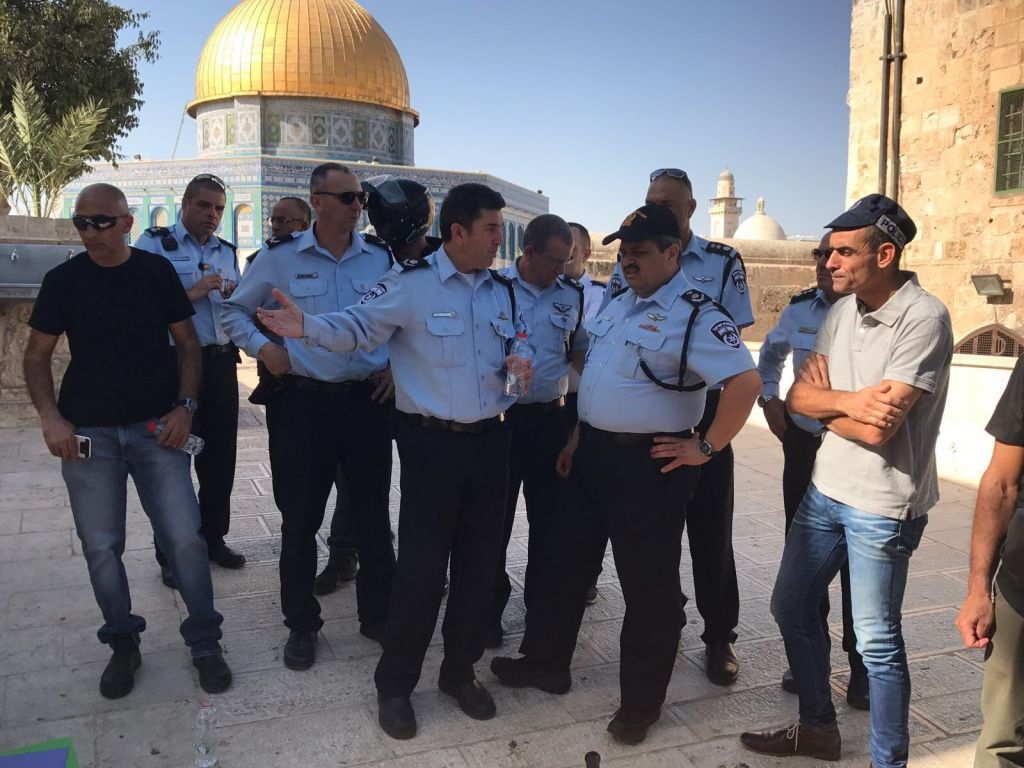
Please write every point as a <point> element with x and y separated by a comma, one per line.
<point>84,446</point>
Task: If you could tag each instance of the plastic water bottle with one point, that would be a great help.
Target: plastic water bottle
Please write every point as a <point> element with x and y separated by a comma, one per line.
<point>205,739</point>
<point>193,445</point>
<point>519,359</point>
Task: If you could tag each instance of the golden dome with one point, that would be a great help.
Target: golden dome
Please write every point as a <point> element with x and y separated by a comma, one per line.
<point>327,49</point>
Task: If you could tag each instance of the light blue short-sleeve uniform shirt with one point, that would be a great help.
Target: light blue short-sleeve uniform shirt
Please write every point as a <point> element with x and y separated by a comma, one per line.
<point>554,318</point>
<point>448,333</point>
<point>192,260</point>
<point>318,283</point>
<point>616,394</point>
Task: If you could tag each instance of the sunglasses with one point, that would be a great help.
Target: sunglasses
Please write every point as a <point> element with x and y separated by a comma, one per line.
<point>672,173</point>
<point>347,198</point>
<point>217,180</point>
<point>99,222</point>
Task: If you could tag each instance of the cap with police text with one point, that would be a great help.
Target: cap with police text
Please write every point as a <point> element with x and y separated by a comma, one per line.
<point>646,223</point>
<point>878,211</point>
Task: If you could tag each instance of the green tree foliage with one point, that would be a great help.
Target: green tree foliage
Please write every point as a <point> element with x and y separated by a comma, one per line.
<point>39,156</point>
<point>74,51</point>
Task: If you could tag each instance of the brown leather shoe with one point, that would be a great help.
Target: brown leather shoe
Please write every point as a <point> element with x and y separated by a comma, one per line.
<point>821,742</point>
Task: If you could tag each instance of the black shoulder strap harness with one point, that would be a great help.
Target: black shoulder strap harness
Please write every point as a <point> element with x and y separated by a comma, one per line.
<point>731,257</point>
<point>696,300</point>
<point>507,282</point>
<point>807,295</point>
<point>166,238</point>
<point>229,244</point>
<point>575,285</point>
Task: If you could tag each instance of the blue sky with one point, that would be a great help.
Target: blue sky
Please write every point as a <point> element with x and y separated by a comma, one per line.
<point>583,98</point>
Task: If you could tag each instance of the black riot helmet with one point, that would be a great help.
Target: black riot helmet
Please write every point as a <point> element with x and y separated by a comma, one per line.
<point>400,210</point>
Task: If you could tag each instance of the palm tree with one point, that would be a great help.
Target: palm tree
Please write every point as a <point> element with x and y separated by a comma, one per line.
<point>39,157</point>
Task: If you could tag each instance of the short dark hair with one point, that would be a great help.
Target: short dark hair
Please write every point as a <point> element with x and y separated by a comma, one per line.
<point>303,205</point>
<point>664,242</point>
<point>319,175</point>
<point>201,182</point>
<point>463,206</point>
<point>875,238</point>
<point>583,230</point>
<point>544,227</point>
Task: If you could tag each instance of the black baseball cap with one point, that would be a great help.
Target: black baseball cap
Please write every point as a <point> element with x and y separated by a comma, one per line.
<point>878,211</point>
<point>646,223</point>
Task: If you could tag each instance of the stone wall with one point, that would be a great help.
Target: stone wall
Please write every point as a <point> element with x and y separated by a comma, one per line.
<point>15,407</point>
<point>960,55</point>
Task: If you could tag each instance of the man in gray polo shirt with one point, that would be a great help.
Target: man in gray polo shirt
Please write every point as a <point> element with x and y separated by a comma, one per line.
<point>878,381</point>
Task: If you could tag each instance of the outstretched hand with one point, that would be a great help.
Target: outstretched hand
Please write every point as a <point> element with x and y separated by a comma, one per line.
<point>288,321</point>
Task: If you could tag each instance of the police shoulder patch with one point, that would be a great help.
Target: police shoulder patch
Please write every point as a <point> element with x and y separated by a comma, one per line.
<point>739,279</point>
<point>374,293</point>
<point>806,295</point>
<point>727,333</point>
<point>720,248</point>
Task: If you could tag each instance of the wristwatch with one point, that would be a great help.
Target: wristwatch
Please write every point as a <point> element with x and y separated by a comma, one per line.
<point>763,400</point>
<point>706,448</point>
<point>188,404</point>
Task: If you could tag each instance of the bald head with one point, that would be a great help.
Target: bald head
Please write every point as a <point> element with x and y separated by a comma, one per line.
<point>101,198</point>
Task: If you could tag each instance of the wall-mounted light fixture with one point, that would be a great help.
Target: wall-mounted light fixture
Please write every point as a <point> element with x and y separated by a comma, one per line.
<point>990,286</point>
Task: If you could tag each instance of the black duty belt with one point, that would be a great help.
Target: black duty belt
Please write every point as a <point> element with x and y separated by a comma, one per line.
<point>306,384</point>
<point>445,425</point>
<point>630,438</point>
<point>535,408</point>
<point>220,349</point>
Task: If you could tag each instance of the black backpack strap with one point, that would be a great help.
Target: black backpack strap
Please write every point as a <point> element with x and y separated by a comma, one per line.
<point>576,286</point>
<point>507,282</point>
<point>165,236</point>
<point>696,300</point>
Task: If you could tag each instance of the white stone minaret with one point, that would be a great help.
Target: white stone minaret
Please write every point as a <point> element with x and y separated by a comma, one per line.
<point>725,207</point>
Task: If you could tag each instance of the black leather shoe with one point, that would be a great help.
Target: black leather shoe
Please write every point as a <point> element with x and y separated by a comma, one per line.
<point>118,677</point>
<point>300,650</point>
<point>494,637</point>
<point>167,577</point>
<point>789,683</point>
<point>375,632</point>
<point>214,673</point>
<point>473,698</point>
<point>631,729</point>
<point>522,673</point>
<point>857,689</point>
<point>226,557</point>
<point>396,716</point>
<point>720,664</point>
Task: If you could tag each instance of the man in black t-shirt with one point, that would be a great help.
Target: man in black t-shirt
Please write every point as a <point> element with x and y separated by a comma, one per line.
<point>116,304</point>
<point>997,555</point>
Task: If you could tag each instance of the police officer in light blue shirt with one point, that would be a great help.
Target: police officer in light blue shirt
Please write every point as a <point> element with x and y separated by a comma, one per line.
<point>449,322</point>
<point>208,269</point>
<point>801,435</point>
<point>328,410</point>
<point>632,461</point>
<point>552,306</point>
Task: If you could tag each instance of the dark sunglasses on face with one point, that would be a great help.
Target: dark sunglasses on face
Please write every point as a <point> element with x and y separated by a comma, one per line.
<point>98,222</point>
<point>672,173</point>
<point>347,198</point>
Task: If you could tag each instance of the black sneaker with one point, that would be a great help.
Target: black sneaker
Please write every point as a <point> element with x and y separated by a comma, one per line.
<point>631,729</point>
<point>300,650</point>
<point>225,556</point>
<point>214,673</point>
<point>396,716</point>
<point>118,678</point>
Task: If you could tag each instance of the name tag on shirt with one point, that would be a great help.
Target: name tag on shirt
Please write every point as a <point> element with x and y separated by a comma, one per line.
<point>307,276</point>
<point>805,329</point>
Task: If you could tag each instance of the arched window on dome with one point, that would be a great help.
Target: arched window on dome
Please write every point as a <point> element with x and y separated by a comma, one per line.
<point>245,233</point>
<point>159,217</point>
<point>994,339</point>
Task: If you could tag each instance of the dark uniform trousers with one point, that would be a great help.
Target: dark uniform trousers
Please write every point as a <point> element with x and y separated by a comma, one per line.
<point>709,517</point>
<point>539,432</point>
<point>314,427</point>
<point>216,422</point>
<point>453,505</point>
<point>616,491</point>
<point>800,448</point>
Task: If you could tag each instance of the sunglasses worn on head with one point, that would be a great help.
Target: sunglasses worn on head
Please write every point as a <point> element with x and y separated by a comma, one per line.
<point>347,198</point>
<point>98,222</point>
<point>672,173</point>
<point>211,178</point>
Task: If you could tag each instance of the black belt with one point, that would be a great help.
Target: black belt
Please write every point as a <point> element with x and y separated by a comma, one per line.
<point>631,438</point>
<point>220,349</point>
<point>446,425</point>
<point>306,384</point>
<point>552,405</point>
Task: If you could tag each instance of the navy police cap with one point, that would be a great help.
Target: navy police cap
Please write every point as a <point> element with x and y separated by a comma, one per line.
<point>646,223</point>
<point>878,211</point>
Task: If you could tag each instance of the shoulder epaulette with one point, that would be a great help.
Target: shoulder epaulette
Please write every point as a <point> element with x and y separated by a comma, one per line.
<point>599,282</point>
<point>407,265</point>
<point>500,277</point>
<point>158,231</point>
<point>229,244</point>
<point>807,295</point>
<point>166,238</point>
<point>695,297</point>
<point>433,244</point>
<point>276,241</point>
<point>373,239</point>
<point>570,282</point>
<point>620,292</point>
<point>719,248</point>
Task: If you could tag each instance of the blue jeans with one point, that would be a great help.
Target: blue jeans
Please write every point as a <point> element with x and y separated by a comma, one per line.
<point>824,534</point>
<point>98,491</point>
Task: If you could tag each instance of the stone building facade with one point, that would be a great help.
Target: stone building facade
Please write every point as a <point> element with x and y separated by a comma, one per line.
<point>961,153</point>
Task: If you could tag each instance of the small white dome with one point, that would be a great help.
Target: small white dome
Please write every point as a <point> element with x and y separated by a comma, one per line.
<point>760,226</point>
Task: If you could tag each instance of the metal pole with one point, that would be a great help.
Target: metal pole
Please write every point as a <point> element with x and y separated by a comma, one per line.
<point>883,124</point>
<point>897,101</point>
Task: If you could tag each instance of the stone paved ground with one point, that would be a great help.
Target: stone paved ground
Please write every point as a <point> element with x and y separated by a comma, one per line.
<point>50,661</point>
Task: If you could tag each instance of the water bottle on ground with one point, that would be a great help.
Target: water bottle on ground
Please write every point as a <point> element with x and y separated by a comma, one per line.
<point>205,739</point>
<point>193,445</point>
<point>520,357</point>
